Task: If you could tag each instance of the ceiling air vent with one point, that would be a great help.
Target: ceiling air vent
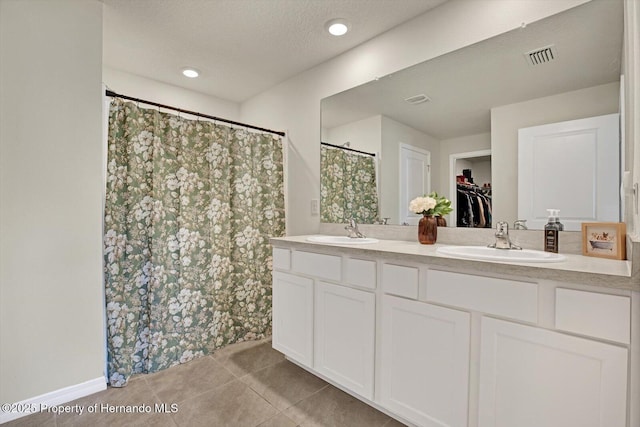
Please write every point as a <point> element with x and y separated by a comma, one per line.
<point>418,99</point>
<point>541,55</point>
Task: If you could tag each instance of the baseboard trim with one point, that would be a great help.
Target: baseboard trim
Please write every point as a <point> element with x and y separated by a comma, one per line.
<point>48,400</point>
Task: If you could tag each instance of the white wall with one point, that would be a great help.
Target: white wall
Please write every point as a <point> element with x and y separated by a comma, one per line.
<point>481,172</point>
<point>364,135</point>
<point>136,86</point>
<point>393,134</point>
<point>480,169</point>
<point>507,119</point>
<point>461,165</point>
<point>51,323</point>
<point>294,105</point>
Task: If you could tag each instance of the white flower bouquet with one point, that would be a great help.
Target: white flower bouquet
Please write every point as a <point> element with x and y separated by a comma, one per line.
<point>431,204</point>
<point>424,205</point>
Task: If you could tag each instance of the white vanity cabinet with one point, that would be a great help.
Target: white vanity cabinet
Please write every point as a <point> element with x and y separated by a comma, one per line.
<point>324,312</point>
<point>532,377</point>
<point>345,336</point>
<point>454,345</point>
<point>424,362</point>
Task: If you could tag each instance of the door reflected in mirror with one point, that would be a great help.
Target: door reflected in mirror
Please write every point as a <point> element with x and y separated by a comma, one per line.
<point>565,67</point>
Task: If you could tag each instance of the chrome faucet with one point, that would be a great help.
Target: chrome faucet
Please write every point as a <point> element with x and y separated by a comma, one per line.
<point>502,237</point>
<point>352,230</point>
<point>382,221</point>
<point>520,224</point>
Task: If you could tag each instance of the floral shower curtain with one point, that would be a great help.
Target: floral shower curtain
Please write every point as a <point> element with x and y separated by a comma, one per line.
<point>190,208</point>
<point>347,186</point>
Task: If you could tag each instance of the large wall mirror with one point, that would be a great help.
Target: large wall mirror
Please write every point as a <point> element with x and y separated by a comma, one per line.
<point>451,125</point>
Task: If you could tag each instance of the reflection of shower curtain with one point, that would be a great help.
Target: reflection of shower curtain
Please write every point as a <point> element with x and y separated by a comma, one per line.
<point>190,208</point>
<point>347,186</point>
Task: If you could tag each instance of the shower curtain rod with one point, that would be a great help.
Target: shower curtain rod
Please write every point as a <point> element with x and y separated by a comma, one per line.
<point>348,149</point>
<point>206,116</point>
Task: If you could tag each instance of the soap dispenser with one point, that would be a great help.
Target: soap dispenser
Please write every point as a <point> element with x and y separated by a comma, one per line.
<point>551,231</point>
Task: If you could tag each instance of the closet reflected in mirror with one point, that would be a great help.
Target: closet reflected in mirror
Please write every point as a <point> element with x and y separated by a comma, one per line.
<point>425,123</point>
<point>473,196</point>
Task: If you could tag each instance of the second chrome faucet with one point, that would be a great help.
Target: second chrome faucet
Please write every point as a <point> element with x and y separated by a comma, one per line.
<point>352,230</point>
<point>503,241</point>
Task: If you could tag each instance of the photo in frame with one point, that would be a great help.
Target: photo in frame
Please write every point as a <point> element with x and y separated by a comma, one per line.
<point>604,239</point>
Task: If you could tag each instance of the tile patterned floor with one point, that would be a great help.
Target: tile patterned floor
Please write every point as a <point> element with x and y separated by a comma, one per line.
<point>244,385</point>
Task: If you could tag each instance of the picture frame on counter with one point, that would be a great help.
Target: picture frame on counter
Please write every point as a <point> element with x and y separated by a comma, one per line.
<point>604,239</point>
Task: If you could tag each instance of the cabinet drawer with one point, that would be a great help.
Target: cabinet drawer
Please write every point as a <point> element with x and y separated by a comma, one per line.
<point>501,297</point>
<point>400,280</point>
<point>318,265</point>
<point>359,272</point>
<point>590,313</point>
<point>281,259</point>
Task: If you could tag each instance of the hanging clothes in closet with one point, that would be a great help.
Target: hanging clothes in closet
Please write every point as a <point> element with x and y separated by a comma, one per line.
<point>473,206</point>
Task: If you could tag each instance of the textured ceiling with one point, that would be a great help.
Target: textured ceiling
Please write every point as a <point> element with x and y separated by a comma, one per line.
<point>241,47</point>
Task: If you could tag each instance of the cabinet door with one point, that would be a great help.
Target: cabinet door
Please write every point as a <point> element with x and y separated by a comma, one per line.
<point>531,377</point>
<point>293,317</point>
<point>344,343</point>
<point>425,362</point>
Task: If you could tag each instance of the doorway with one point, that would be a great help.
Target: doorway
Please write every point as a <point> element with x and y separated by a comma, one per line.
<point>479,162</point>
<point>415,179</point>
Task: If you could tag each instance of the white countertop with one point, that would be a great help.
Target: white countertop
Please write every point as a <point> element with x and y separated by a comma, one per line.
<point>576,268</point>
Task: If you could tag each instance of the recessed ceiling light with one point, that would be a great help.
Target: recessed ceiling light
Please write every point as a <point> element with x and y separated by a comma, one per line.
<point>337,27</point>
<point>190,72</point>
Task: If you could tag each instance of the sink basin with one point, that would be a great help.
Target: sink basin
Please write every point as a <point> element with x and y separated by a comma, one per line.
<point>492,254</point>
<point>342,240</point>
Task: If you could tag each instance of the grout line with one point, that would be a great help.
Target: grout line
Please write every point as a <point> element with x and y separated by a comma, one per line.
<point>239,376</point>
<point>267,402</point>
<point>263,368</point>
<point>266,389</point>
<point>250,344</point>
<point>182,402</point>
<point>155,395</point>
<point>270,388</point>
<point>269,366</point>
<point>279,413</point>
<point>208,391</point>
<point>233,378</point>
<point>311,395</point>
